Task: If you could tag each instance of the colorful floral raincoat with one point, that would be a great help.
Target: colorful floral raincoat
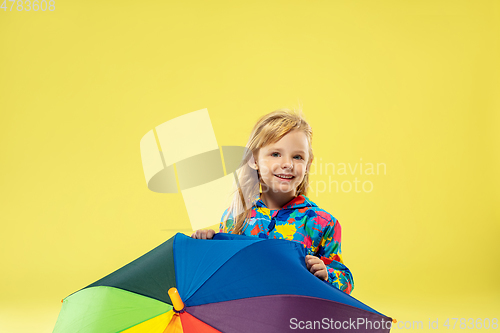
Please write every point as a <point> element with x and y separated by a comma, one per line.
<point>300,220</point>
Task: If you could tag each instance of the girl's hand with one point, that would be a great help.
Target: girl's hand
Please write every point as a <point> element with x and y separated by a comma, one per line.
<point>203,234</point>
<point>316,266</point>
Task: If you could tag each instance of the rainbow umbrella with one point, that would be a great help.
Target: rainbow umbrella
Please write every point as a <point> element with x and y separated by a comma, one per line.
<point>231,283</point>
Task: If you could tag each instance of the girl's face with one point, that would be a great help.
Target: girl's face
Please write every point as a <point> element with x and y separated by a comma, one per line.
<point>282,165</point>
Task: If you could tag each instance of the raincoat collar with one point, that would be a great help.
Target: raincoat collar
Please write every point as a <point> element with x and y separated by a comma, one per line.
<point>300,201</point>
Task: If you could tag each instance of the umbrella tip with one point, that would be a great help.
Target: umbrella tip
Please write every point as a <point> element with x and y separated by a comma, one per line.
<point>176,299</point>
<point>394,320</point>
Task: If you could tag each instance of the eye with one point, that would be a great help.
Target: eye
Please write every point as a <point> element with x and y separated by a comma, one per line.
<point>299,157</point>
<point>272,154</point>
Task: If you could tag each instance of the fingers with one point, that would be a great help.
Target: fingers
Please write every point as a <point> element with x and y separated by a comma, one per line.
<point>319,270</point>
<point>317,267</point>
<point>311,260</point>
<point>322,275</point>
<point>203,234</point>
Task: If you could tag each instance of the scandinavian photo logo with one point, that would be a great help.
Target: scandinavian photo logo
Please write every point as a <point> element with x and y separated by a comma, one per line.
<point>344,177</point>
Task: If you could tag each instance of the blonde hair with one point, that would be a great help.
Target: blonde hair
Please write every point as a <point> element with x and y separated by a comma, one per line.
<point>269,129</point>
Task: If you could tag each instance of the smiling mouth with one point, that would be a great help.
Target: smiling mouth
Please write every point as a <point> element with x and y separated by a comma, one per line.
<point>285,178</point>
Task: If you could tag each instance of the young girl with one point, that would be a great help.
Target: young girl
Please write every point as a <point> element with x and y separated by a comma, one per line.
<point>270,200</point>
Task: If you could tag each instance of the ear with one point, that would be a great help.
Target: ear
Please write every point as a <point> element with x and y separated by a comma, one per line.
<point>252,163</point>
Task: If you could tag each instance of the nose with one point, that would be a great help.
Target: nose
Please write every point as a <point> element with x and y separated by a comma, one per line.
<point>287,164</point>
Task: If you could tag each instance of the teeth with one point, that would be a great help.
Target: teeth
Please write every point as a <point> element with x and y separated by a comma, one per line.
<point>286,177</point>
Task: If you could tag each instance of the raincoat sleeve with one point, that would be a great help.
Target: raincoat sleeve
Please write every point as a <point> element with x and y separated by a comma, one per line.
<point>228,226</point>
<point>330,252</point>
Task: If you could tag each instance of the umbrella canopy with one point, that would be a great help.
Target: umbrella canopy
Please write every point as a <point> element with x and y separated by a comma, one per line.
<point>231,283</point>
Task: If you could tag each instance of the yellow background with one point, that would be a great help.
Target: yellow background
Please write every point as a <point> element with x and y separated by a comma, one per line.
<point>412,84</point>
